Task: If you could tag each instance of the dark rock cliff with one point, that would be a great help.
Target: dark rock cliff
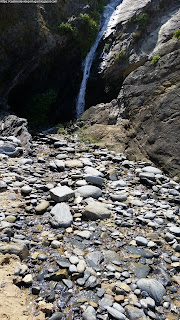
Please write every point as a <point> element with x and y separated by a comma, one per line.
<point>145,118</point>
<point>37,61</point>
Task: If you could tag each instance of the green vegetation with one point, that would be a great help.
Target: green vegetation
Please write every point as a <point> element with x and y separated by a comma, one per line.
<point>122,55</point>
<point>176,34</point>
<point>142,19</point>
<point>87,33</point>
<point>61,130</point>
<point>67,28</point>
<point>40,106</point>
<point>106,47</point>
<point>155,59</point>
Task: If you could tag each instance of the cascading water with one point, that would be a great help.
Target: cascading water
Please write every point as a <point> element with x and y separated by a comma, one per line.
<point>108,12</point>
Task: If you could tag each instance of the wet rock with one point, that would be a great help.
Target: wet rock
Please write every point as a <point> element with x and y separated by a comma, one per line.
<point>62,216</point>
<point>96,210</point>
<point>153,287</point>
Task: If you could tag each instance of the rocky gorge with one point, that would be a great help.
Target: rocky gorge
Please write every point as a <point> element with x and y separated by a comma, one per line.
<point>89,218</point>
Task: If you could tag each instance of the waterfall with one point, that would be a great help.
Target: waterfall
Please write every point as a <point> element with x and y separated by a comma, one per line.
<point>107,14</point>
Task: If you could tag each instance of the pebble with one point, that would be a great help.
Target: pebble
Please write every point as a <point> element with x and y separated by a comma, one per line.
<point>89,191</point>
<point>96,210</point>
<point>115,313</point>
<point>153,287</point>
<point>115,257</point>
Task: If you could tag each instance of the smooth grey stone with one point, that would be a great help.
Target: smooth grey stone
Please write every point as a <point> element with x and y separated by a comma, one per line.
<point>175,230</point>
<point>150,302</point>
<point>118,307</point>
<point>74,260</point>
<point>62,216</point>
<point>26,189</point>
<point>89,314</point>
<point>134,313</point>
<point>151,169</point>
<point>153,287</point>
<point>92,172</point>
<point>3,185</point>
<point>96,210</point>
<point>147,175</point>
<point>176,247</point>
<point>72,268</point>
<point>141,241</point>
<point>25,161</point>
<point>97,181</point>
<point>84,234</point>
<point>64,263</point>
<point>89,191</point>
<point>68,283</point>
<point>115,313</point>
<point>80,281</point>
<point>60,194</point>
<point>118,197</point>
<point>8,150</point>
<point>169,237</point>
<point>57,316</point>
<point>14,140</point>
<point>118,184</point>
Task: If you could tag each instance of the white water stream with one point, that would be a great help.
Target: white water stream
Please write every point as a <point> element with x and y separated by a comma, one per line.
<point>105,22</point>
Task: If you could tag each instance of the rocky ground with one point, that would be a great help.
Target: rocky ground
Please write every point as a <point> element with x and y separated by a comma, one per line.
<point>98,235</point>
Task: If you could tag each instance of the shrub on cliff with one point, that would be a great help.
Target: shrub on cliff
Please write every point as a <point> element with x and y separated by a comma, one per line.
<point>87,33</point>
<point>155,59</point>
<point>142,19</point>
<point>177,34</point>
<point>67,29</point>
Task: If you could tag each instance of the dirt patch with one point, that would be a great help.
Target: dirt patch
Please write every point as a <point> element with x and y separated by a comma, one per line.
<point>13,302</point>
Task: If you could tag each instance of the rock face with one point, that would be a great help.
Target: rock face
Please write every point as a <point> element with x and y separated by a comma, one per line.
<point>144,120</point>
<point>30,71</point>
<point>11,125</point>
